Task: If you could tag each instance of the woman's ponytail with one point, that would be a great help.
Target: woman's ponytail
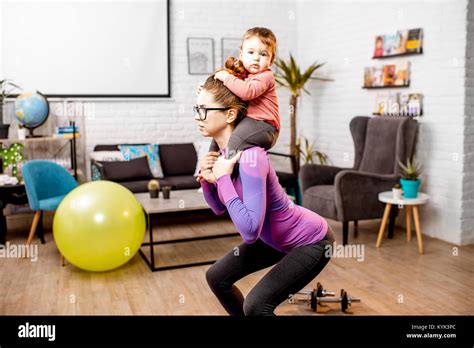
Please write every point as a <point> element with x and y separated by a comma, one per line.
<point>235,67</point>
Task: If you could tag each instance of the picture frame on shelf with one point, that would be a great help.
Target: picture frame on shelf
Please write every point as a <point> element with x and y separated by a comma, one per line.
<point>230,47</point>
<point>200,55</point>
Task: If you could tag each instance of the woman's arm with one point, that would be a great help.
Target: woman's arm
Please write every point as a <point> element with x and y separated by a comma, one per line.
<point>248,214</point>
<point>212,199</point>
<point>251,88</point>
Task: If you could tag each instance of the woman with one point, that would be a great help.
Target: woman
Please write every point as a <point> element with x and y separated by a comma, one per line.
<point>274,230</point>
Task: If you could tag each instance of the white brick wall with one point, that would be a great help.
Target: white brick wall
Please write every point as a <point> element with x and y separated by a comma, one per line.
<point>341,33</point>
<point>467,217</point>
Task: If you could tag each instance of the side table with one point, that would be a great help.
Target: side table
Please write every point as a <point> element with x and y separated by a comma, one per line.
<point>411,204</point>
<point>10,194</point>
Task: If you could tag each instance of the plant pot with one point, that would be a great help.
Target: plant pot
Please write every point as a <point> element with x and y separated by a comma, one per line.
<point>4,131</point>
<point>410,187</point>
<point>397,194</point>
<point>154,193</point>
<point>21,133</point>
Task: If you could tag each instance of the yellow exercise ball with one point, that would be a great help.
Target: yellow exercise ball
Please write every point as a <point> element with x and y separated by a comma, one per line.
<point>99,226</point>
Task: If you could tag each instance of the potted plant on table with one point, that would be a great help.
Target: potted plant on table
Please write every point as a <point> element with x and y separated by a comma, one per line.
<point>410,181</point>
<point>4,94</point>
<point>397,192</point>
<point>154,188</point>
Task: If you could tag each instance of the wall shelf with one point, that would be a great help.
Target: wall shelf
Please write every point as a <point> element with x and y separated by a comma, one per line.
<point>399,55</point>
<point>382,87</point>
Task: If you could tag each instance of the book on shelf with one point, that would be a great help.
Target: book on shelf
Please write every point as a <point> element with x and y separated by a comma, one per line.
<point>402,42</point>
<point>373,77</point>
<point>414,41</point>
<point>389,75</point>
<point>378,52</point>
<point>402,74</point>
<point>67,135</point>
<point>390,44</point>
<point>66,129</point>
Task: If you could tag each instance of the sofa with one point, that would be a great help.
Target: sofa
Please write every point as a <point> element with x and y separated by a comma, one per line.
<point>178,164</point>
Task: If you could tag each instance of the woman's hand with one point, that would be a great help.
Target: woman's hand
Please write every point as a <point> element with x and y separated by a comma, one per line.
<point>221,75</point>
<point>207,162</point>
<point>225,166</point>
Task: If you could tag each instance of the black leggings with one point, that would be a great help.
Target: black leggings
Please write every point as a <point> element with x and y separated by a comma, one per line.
<point>291,273</point>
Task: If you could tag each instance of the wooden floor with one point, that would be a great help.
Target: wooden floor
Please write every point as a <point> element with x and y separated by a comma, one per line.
<point>392,280</point>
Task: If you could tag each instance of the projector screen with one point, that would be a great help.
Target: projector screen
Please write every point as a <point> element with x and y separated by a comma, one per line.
<point>89,48</point>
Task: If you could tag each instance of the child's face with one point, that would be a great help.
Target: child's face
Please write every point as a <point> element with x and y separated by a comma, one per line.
<point>255,55</point>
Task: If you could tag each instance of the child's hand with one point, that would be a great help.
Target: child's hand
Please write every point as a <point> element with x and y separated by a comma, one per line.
<point>221,75</point>
<point>198,88</point>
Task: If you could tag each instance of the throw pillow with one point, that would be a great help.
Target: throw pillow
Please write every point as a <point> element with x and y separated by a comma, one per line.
<point>134,169</point>
<point>130,152</point>
<point>107,156</point>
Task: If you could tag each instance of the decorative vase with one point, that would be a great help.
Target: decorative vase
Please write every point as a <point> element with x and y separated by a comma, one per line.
<point>410,187</point>
<point>397,194</point>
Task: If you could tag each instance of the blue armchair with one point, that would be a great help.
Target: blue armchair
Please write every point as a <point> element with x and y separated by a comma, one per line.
<point>46,184</point>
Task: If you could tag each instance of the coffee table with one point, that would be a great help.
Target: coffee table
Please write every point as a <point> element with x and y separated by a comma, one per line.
<point>180,201</point>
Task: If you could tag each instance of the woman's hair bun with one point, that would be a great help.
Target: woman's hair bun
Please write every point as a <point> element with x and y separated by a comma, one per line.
<point>235,67</point>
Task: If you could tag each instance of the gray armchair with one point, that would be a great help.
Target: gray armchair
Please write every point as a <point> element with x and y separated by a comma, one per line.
<point>351,194</point>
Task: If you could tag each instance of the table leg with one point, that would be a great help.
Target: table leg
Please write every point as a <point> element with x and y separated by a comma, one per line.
<point>418,230</point>
<point>384,223</point>
<point>391,221</point>
<point>3,226</point>
<point>152,253</point>
<point>408,222</point>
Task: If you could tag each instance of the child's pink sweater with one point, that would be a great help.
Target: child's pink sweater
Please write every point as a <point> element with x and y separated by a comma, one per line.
<point>259,90</point>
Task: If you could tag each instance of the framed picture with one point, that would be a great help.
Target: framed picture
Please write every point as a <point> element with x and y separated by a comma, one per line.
<point>200,56</point>
<point>229,48</point>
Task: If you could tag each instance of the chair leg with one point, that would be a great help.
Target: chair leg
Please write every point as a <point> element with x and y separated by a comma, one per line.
<point>345,232</point>
<point>36,219</point>
<point>40,229</point>
<point>63,263</point>
<point>356,230</point>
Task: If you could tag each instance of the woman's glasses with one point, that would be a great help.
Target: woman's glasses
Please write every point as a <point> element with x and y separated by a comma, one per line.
<point>202,111</point>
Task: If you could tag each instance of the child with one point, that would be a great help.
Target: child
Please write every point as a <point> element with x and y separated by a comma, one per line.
<point>255,83</point>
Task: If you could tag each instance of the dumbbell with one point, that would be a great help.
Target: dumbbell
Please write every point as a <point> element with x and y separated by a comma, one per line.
<point>345,300</point>
<point>313,295</point>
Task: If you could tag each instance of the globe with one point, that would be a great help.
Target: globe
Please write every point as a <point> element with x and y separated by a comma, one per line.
<point>31,110</point>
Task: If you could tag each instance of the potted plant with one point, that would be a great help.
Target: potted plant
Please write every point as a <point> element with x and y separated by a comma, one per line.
<point>4,94</point>
<point>309,151</point>
<point>289,75</point>
<point>397,192</point>
<point>154,188</point>
<point>410,181</point>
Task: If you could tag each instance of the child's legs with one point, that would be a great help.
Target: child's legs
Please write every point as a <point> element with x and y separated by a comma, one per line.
<point>249,133</point>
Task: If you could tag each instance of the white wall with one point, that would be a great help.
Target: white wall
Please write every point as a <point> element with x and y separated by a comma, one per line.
<point>342,34</point>
<point>467,217</point>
